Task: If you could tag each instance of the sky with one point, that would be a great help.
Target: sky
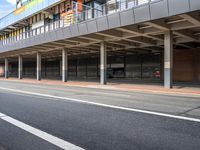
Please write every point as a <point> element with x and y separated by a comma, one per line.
<point>6,6</point>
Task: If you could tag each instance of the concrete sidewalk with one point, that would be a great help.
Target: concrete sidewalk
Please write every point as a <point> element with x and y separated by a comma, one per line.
<point>178,89</point>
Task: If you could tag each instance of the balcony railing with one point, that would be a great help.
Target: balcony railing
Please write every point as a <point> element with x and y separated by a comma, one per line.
<point>77,16</point>
<point>12,17</point>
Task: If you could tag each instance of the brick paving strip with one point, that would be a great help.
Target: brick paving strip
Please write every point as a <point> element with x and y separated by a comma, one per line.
<point>159,89</point>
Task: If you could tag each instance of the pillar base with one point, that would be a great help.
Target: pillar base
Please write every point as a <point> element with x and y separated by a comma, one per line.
<point>168,82</point>
<point>103,77</point>
<point>64,76</point>
<point>38,75</point>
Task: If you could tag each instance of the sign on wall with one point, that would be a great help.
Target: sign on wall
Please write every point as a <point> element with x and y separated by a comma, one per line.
<point>27,6</point>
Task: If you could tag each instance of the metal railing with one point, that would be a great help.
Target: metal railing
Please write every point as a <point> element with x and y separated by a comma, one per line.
<point>77,16</point>
<point>12,18</point>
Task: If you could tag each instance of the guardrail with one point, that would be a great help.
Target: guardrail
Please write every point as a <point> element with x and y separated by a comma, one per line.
<point>77,16</point>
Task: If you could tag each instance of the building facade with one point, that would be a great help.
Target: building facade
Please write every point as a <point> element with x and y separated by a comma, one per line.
<point>153,40</point>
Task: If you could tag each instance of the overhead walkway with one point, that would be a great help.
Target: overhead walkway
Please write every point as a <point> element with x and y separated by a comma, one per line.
<point>156,26</point>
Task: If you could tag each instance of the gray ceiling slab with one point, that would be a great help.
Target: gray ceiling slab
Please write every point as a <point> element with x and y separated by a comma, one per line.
<point>82,28</point>
<point>74,30</point>
<point>56,36</point>
<point>22,44</point>
<point>45,39</point>
<point>102,23</point>
<point>127,17</point>
<point>158,9</point>
<point>194,4</point>
<point>37,40</point>
<point>113,20</point>
<point>59,35</point>
<point>178,6</point>
<point>92,26</point>
<point>66,32</point>
<point>27,43</point>
<point>142,13</point>
<point>17,46</point>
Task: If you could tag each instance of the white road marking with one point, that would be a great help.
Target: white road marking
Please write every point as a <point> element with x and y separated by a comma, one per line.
<point>105,105</point>
<point>2,115</point>
<point>41,134</point>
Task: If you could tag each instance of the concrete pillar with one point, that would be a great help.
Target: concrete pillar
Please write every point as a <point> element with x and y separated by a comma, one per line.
<point>103,63</point>
<point>20,67</point>
<point>168,60</point>
<point>38,66</point>
<point>6,68</point>
<point>64,65</point>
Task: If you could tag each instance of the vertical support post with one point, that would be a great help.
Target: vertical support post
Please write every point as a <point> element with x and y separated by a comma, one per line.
<point>168,60</point>
<point>6,68</point>
<point>20,67</point>
<point>77,68</point>
<point>64,65</point>
<point>38,66</point>
<point>60,68</point>
<point>103,63</point>
<point>125,66</point>
<point>196,65</point>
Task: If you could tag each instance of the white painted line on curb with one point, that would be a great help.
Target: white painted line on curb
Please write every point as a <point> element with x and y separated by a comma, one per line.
<point>41,134</point>
<point>2,115</point>
<point>105,105</point>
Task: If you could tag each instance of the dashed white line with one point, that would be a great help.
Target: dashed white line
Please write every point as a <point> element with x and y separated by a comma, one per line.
<point>41,134</point>
<point>104,105</point>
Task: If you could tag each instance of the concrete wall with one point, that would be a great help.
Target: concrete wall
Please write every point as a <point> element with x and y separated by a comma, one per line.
<point>1,70</point>
<point>29,69</point>
<point>135,66</point>
<point>198,66</point>
<point>51,68</point>
<point>187,65</point>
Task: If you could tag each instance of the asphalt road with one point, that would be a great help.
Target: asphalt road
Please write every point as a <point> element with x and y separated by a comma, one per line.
<point>91,127</point>
<point>171,104</point>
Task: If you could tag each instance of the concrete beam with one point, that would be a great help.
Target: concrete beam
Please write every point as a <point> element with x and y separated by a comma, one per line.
<point>110,34</point>
<point>141,40</point>
<point>136,32</point>
<point>181,25</point>
<point>194,19</point>
<point>161,25</point>
<point>79,40</point>
<point>187,35</point>
<point>93,37</point>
